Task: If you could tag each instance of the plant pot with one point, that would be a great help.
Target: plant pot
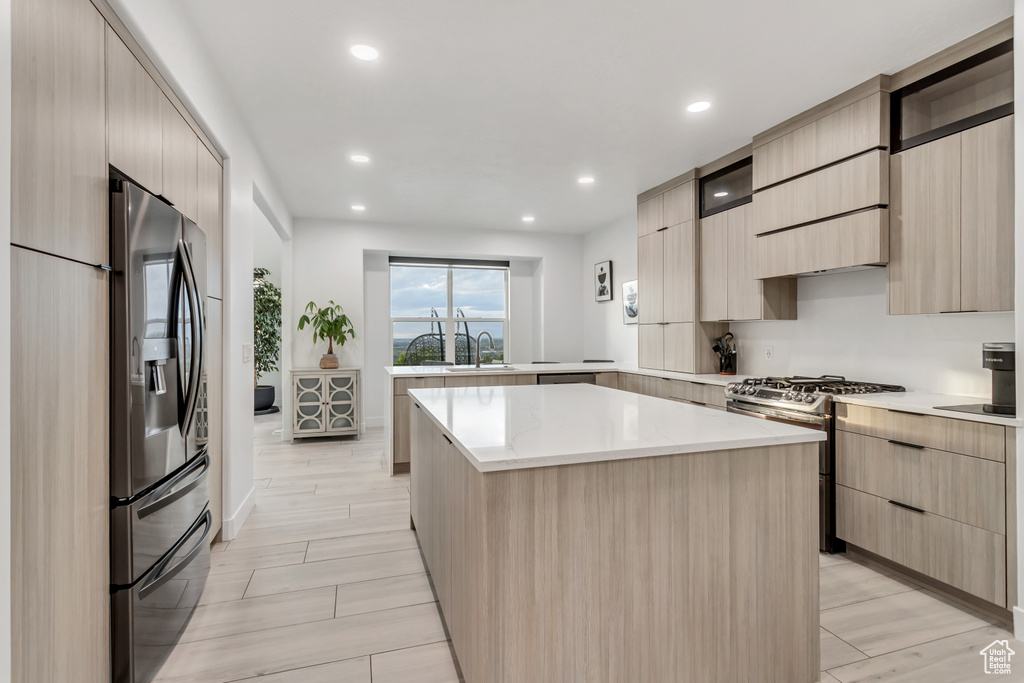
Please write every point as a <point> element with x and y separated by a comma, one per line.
<point>263,398</point>
<point>329,361</point>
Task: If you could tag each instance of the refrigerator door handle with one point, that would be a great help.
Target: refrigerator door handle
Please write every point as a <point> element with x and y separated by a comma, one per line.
<point>196,350</point>
<point>170,492</point>
<point>162,573</point>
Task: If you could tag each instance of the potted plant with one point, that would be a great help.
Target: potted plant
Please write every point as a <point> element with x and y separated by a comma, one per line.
<point>328,323</point>
<point>266,300</point>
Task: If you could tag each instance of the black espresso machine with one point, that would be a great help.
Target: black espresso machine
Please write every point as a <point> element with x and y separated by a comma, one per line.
<point>999,357</point>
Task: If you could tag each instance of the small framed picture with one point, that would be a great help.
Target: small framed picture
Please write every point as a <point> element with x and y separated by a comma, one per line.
<point>630,296</point>
<point>603,281</point>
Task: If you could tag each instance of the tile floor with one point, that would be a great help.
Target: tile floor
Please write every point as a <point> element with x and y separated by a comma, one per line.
<point>324,584</point>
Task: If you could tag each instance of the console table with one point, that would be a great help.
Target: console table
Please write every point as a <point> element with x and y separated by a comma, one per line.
<point>325,402</point>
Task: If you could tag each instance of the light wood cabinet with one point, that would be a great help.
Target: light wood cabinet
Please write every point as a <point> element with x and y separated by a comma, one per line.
<point>506,380</point>
<point>404,384</point>
<point>180,161</point>
<point>679,272</point>
<point>986,217</point>
<point>325,402</point>
<point>951,235</point>
<point>924,229</point>
<point>58,120</point>
<point>651,277</point>
<point>652,346</point>
<point>729,261</point>
<point>60,470</point>
<point>649,216</point>
<point>608,379</point>
<point>134,135</point>
<point>965,557</point>
<point>400,442</point>
<point>211,218</point>
<point>855,128</point>
<point>678,347</point>
<point>977,439</point>
<point>215,400</point>
<point>858,239</point>
<point>677,205</point>
<point>967,489</point>
<point>858,183</point>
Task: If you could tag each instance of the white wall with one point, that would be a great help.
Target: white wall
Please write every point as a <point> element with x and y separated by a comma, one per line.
<point>604,334</point>
<point>168,39</point>
<point>347,262</point>
<point>5,339</point>
<point>266,253</point>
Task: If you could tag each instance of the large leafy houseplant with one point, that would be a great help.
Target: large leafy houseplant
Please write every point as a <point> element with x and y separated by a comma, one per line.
<point>266,300</point>
<point>328,323</point>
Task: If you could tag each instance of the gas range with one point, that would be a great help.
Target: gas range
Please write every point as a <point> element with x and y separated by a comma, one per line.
<point>803,394</point>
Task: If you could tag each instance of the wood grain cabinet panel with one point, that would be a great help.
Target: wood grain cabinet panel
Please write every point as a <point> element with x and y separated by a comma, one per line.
<point>608,379</point>
<point>400,426</point>
<point>678,351</point>
<point>215,399</point>
<point>490,380</point>
<point>403,384</point>
<point>649,216</point>
<point>963,556</point>
<point>651,277</point>
<point>945,434</point>
<point>714,267</point>
<point>744,290</point>
<point>679,274</point>
<point>180,161</point>
<point>678,204</point>
<point>211,218</point>
<point>986,217</point>
<point>924,229</point>
<point>855,184</point>
<point>858,239</point>
<point>967,489</point>
<point>58,117</point>
<point>134,135</point>
<point>856,128</point>
<point>652,346</point>
<point>60,473</point>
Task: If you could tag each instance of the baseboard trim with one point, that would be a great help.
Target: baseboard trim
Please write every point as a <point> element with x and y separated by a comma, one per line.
<point>232,525</point>
<point>373,422</point>
<point>1018,623</point>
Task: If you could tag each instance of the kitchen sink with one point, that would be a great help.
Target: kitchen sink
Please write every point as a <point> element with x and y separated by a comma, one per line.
<point>482,368</point>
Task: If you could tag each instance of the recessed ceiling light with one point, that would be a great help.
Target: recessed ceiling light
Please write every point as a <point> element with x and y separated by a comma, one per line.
<point>721,194</point>
<point>359,158</point>
<point>586,180</point>
<point>699,106</point>
<point>365,52</point>
<point>358,207</point>
<point>528,219</point>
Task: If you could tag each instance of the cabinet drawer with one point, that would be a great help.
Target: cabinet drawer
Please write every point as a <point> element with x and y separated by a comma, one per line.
<point>963,556</point>
<point>855,240</point>
<point>855,128</point>
<point>402,386</point>
<point>942,433</point>
<point>709,395</point>
<point>858,183</point>
<point>489,380</point>
<point>967,489</point>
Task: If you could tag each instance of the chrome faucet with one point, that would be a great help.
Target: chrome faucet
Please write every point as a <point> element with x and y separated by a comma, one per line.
<point>478,345</point>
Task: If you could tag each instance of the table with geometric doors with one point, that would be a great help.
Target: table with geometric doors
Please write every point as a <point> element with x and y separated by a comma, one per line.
<point>325,402</point>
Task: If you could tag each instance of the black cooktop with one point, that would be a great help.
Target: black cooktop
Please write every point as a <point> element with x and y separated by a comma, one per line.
<point>826,384</point>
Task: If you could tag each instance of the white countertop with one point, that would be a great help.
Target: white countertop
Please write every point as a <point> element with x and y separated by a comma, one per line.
<point>519,427</point>
<point>924,403</point>
<point>548,368</point>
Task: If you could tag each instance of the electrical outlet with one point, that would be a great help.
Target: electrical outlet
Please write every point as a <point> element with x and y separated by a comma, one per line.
<point>246,353</point>
<point>769,353</point>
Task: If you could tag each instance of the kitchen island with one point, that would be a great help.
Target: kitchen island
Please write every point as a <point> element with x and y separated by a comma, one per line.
<point>579,533</point>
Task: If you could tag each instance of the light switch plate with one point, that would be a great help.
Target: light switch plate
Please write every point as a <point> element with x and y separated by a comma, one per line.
<point>246,353</point>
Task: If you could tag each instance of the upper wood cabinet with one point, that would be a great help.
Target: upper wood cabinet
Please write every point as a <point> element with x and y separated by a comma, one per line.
<point>58,120</point>
<point>679,252</point>
<point>60,470</point>
<point>211,218</point>
<point>649,215</point>
<point>951,232</point>
<point>850,130</point>
<point>134,135</point>
<point>677,205</point>
<point>651,276</point>
<point>180,161</point>
<point>729,287</point>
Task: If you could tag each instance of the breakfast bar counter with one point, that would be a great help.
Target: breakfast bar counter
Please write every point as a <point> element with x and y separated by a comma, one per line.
<point>578,533</point>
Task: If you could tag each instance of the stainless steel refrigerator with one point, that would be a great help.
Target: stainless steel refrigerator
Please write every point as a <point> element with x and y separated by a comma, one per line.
<point>160,521</point>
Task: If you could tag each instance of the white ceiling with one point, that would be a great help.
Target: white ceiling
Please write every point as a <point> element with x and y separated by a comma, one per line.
<point>479,112</point>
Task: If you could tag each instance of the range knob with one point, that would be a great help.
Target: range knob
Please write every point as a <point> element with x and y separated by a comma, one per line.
<point>809,398</point>
<point>731,386</point>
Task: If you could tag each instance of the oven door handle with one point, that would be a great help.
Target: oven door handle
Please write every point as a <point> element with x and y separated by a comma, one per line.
<point>768,414</point>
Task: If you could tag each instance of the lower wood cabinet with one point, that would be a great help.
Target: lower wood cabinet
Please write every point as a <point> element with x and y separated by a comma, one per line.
<point>325,402</point>
<point>60,470</point>
<point>963,556</point>
<point>507,380</point>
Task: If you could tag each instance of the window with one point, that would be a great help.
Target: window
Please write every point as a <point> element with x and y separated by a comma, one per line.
<point>440,307</point>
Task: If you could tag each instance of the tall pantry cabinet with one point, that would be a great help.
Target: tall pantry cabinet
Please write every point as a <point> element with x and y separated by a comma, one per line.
<point>84,98</point>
